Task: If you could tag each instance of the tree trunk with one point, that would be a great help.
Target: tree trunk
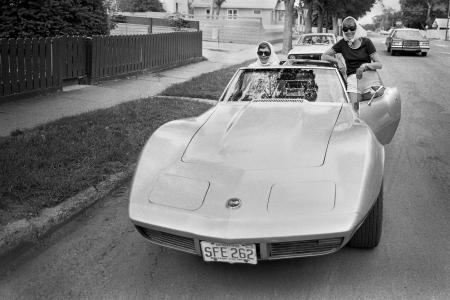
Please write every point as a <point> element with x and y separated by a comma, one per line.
<point>335,23</point>
<point>287,33</point>
<point>212,9</point>
<point>320,21</point>
<point>429,8</point>
<point>308,17</point>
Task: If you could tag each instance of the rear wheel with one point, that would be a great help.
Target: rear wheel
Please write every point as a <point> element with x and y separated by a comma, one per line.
<point>424,53</point>
<point>369,234</point>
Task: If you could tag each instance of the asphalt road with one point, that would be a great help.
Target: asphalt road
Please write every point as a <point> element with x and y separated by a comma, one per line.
<point>100,256</point>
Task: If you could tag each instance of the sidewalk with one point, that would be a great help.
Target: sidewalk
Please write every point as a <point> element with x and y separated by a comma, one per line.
<point>73,100</point>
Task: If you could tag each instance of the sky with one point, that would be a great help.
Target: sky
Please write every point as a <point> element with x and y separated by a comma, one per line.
<point>377,10</point>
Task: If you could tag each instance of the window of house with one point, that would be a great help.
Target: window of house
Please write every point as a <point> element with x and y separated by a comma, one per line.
<point>232,13</point>
<point>208,13</point>
<point>257,12</point>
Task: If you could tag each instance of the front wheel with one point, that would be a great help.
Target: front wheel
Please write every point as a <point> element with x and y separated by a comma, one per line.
<point>369,234</point>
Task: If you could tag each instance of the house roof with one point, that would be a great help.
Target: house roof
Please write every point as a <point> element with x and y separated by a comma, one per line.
<point>440,22</point>
<point>257,4</point>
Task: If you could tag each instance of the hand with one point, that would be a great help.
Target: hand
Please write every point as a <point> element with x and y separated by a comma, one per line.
<point>359,72</point>
<point>343,70</point>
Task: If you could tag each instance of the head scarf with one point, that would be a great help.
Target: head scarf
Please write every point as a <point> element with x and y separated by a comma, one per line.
<point>359,33</point>
<point>273,58</point>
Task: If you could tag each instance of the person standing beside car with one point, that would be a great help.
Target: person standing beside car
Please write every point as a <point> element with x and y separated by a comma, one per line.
<point>359,54</point>
<point>266,56</point>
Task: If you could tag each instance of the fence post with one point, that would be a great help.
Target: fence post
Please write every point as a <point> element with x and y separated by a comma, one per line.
<point>88,60</point>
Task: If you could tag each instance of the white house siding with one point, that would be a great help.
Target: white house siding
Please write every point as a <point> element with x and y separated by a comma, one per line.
<point>267,17</point>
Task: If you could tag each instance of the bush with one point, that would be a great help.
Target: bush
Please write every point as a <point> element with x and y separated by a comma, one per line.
<point>177,22</point>
<point>48,18</point>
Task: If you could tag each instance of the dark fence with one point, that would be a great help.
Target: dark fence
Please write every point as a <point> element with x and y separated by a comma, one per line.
<point>28,65</point>
<point>40,65</point>
<point>119,55</point>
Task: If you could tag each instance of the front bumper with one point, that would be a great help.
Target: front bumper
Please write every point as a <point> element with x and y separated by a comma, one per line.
<point>276,239</point>
<point>410,49</point>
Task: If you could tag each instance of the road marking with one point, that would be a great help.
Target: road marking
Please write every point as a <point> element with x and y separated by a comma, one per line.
<point>445,52</point>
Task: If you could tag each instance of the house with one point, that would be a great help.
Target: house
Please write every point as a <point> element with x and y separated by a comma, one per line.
<point>270,12</point>
<point>441,23</point>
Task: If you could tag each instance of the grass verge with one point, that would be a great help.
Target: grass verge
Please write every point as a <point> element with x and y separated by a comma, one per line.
<point>206,86</point>
<point>43,166</point>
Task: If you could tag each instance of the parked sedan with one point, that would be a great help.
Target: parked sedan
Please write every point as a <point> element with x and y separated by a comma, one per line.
<point>313,45</point>
<point>407,40</point>
<point>282,167</point>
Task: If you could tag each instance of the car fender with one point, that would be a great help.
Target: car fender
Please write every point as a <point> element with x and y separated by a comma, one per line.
<point>173,137</point>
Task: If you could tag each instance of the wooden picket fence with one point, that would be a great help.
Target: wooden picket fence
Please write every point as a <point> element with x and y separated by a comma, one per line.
<point>30,66</point>
<point>118,55</point>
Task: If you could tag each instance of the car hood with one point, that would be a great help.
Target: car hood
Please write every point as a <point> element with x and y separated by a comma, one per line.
<point>265,135</point>
<point>310,49</point>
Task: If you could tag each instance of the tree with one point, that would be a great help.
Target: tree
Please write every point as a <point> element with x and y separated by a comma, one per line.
<point>48,18</point>
<point>219,5</point>
<point>140,5</point>
<point>420,13</point>
<point>288,20</point>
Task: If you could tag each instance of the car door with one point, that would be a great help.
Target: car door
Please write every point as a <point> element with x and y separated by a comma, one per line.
<point>382,113</point>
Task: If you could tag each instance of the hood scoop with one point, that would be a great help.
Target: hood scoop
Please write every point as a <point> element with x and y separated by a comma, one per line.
<point>265,135</point>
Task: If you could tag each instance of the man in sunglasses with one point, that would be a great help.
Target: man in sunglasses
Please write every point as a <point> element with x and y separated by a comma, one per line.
<point>266,56</point>
<point>359,54</point>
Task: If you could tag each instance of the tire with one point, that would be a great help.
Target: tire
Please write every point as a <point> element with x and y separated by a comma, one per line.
<point>393,53</point>
<point>368,234</point>
<point>424,53</point>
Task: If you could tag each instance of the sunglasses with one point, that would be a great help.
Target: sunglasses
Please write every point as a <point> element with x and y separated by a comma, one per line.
<point>351,28</point>
<point>266,53</point>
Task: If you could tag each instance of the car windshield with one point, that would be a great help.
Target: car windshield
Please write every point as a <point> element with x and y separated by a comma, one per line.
<point>408,34</point>
<point>297,83</point>
<point>316,40</point>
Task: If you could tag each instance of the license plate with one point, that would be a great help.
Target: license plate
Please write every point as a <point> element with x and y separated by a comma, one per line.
<point>230,253</point>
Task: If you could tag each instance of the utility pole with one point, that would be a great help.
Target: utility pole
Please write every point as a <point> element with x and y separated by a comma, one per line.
<point>448,17</point>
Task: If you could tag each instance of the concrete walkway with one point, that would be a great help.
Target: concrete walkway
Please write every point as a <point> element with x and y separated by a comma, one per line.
<point>73,100</point>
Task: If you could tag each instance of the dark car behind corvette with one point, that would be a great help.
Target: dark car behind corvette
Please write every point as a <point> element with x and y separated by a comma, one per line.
<point>407,40</point>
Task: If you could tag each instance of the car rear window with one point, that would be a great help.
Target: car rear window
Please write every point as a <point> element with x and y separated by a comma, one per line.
<point>408,34</point>
<point>301,84</point>
<point>316,40</point>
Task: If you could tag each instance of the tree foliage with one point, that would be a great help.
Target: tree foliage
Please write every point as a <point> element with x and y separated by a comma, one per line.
<point>421,13</point>
<point>48,18</point>
<point>387,19</point>
<point>140,5</point>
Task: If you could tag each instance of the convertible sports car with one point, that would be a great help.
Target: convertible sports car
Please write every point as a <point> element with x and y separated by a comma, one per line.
<point>282,167</point>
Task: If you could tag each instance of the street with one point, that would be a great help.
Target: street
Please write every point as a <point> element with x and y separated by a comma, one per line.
<point>99,255</point>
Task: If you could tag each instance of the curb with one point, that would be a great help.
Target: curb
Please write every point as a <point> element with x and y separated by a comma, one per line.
<point>24,231</point>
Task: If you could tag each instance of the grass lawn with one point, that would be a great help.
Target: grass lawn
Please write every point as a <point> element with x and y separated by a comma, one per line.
<point>43,166</point>
<point>206,86</point>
